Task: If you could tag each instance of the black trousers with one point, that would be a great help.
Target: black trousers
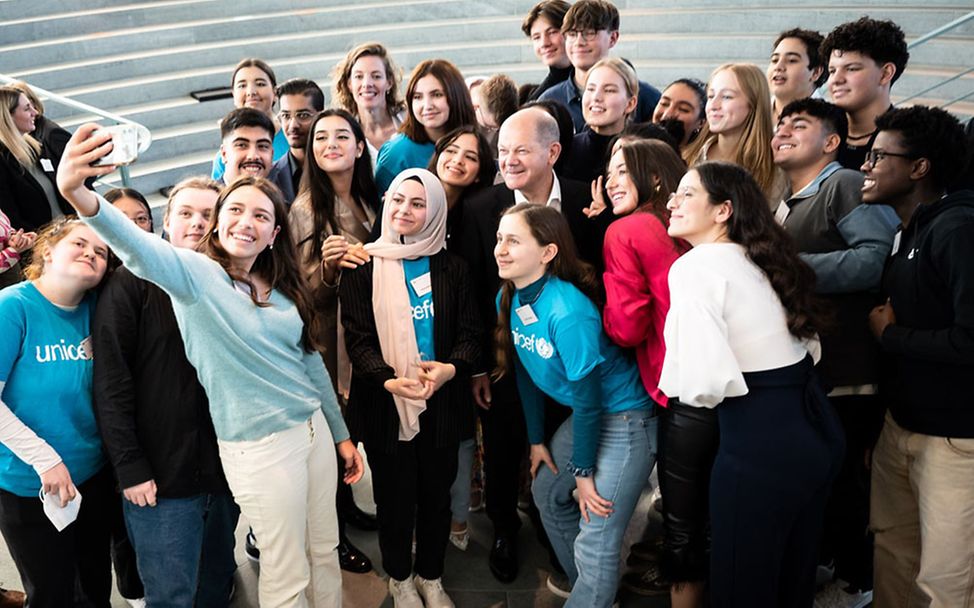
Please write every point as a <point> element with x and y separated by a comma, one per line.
<point>505,445</point>
<point>412,490</point>
<point>781,446</point>
<point>50,562</point>
<point>688,440</point>
<point>847,538</point>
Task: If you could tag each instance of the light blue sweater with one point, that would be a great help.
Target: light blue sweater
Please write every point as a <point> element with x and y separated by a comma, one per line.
<point>257,376</point>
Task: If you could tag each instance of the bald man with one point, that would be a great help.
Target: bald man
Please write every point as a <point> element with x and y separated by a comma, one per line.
<point>528,148</point>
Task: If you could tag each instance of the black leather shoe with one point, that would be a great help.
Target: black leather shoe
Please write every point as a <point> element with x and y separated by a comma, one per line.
<point>351,559</point>
<point>359,519</point>
<point>503,558</point>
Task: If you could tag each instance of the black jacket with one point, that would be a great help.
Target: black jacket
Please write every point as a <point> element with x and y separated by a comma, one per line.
<point>152,412</point>
<point>371,412</point>
<point>930,283</point>
<point>21,197</point>
<point>482,214</point>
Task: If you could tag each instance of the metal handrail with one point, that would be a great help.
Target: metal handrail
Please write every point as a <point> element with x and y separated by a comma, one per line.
<point>941,30</point>
<point>930,36</point>
<point>144,133</point>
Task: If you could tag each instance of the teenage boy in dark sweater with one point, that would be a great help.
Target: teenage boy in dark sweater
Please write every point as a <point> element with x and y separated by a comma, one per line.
<point>922,509</point>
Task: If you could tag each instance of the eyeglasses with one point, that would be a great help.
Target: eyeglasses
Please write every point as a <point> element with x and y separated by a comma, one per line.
<point>586,35</point>
<point>874,157</point>
<point>302,116</point>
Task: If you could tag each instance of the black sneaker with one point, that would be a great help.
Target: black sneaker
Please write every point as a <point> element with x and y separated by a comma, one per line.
<point>645,552</point>
<point>647,583</point>
<point>250,547</point>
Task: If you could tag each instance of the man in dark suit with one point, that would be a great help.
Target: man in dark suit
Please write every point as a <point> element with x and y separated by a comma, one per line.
<point>300,100</point>
<point>528,147</point>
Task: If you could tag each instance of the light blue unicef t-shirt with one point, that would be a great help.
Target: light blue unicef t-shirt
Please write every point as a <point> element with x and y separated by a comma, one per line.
<point>421,302</point>
<point>560,341</point>
<point>46,361</point>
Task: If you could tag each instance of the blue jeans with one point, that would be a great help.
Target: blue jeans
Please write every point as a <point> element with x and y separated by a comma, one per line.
<point>589,552</point>
<point>184,549</point>
<point>460,490</point>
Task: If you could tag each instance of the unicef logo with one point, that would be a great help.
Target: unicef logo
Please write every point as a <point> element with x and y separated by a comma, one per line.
<point>544,348</point>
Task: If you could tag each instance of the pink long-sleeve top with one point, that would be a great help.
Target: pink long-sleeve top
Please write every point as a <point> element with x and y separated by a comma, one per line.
<point>8,255</point>
<point>638,255</point>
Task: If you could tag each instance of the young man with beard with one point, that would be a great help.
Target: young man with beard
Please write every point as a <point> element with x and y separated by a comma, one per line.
<point>300,101</point>
<point>247,146</point>
<point>923,466</point>
<point>846,244</point>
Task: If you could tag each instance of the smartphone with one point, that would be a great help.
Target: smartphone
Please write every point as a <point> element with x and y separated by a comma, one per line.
<point>125,145</point>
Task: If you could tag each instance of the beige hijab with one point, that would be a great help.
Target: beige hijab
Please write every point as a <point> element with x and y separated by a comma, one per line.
<point>390,298</point>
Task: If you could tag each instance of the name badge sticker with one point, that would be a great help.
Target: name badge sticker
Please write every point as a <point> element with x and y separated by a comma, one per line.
<point>526,314</point>
<point>422,284</point>
<point>896,242</point>
<point>47,165</point>
<point>781,214</point>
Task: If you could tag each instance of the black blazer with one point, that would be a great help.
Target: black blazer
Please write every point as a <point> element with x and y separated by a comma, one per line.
<point>371,412</point>
<point>482,214</point>
<point>22,198</point>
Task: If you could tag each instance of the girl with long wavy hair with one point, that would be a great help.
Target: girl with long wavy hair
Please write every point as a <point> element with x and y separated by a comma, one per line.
<point>738,127</point>
<point>740,337</point>
<point>549,334</point>
<point>333,214</point>
<point>246,317</point>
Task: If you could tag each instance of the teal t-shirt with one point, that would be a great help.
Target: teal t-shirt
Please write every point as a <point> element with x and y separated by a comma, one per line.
<point>281,148</point>
<point>397,155</point>
<point>421,302</point>
<point>559,343</point>
<point>46,361</point>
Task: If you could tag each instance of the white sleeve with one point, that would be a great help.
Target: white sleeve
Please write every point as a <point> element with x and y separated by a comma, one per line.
<point>699,367</point>
<point>23,442</point>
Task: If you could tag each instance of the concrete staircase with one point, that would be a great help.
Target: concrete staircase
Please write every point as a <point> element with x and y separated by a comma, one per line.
<point>141,60</point>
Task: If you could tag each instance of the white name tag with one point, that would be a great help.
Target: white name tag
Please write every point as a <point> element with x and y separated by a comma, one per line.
<point>782,212</point>
<point>422,284</point>
<point>47,165</point>
<point>896,242</point>
<point>526,314</point>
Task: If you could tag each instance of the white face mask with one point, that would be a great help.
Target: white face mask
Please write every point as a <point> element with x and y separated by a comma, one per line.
<point>60,516</point>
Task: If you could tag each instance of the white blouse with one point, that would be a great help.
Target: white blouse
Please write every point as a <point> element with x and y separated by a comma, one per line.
<point>725,319</point>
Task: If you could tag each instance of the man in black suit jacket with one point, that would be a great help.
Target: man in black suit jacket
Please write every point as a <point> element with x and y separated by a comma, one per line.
<point>528,147</point>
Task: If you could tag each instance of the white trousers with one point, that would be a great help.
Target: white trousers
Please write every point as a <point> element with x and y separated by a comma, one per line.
<point>285,486</point>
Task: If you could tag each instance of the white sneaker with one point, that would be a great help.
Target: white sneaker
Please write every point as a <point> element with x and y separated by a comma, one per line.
<point>404,593</point>
<point>136,603</point>
<point>839,594</point>
<point>433,593</point>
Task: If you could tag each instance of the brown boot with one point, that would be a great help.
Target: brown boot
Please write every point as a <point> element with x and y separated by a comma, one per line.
<point>12,599</point>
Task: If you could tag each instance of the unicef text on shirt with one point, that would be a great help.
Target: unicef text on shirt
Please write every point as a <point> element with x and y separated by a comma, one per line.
<point>64,352</point>
<point>533,344</point>
<point>423,311</point>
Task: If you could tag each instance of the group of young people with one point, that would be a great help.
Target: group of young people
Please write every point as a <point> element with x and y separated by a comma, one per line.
<point>743,282</point>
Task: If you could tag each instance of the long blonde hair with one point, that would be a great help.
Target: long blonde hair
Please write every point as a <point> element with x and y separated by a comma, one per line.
<point>754,150</point>
<point>23,147</point>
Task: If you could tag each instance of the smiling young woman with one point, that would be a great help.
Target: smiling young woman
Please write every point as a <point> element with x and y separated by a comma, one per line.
<point>246,317</point>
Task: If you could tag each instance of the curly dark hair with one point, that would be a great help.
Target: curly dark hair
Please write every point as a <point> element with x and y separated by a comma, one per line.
<point>929,133</point>
<point>813,42</point>
<point>882,41</point>
<point>831,115</point>
<point>752,226</point>
<point>591,15</point>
